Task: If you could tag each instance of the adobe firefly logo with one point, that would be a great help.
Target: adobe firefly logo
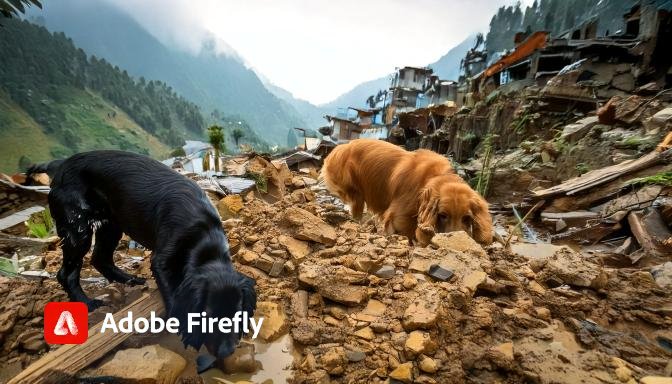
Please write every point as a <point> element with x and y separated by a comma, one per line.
<point>66,323</point>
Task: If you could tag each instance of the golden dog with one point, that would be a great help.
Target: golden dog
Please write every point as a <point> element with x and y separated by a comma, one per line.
<point>415,193</point>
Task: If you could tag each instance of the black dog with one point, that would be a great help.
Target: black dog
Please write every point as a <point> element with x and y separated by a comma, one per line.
<point>115,192</point>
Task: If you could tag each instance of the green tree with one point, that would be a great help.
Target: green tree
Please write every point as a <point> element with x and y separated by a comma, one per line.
<point>216,138</point>
<point>237,135</point>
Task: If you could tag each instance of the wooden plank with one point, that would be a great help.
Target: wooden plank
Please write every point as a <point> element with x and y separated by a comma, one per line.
<point>603,175</point>
<point>25,246</point>
<point>68,360</point>
<point>651,233</point>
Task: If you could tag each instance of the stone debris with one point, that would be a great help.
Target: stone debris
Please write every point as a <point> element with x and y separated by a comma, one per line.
<point>362,306</point>
<point>151,364</point>
<point>275,321</point>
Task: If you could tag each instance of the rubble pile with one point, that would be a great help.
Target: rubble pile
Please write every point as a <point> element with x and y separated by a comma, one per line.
<point>363,307</point>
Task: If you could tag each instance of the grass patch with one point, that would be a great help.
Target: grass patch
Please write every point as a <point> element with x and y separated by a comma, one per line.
<point>260,180</point>
<point>582,168</point>
<point>41,225</point>
<point>663,178</point>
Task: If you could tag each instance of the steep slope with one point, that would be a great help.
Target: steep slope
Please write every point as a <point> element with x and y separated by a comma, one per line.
<point>447,67</point>
<point>212,80</point>
<point>56,101</point>
<point>311,114</point>
<point>97,123</point>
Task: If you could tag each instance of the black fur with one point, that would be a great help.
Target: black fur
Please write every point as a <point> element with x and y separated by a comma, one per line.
<point>115,192</point>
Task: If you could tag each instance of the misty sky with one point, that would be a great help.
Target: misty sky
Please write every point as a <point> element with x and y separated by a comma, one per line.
<point>319,49</point>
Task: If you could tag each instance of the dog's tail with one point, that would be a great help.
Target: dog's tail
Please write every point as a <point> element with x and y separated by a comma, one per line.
<point>49,168</point>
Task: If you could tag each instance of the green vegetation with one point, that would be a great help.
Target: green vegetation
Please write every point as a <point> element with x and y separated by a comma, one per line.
<point>582,168</point>
<point>663,178</point>
<point>259,179</point>
<point>487,169</point>
<point>232,123</point>
<point>55,101</point>
<point>216,138</point>
<point>237,135</point>
<point>41,225</point>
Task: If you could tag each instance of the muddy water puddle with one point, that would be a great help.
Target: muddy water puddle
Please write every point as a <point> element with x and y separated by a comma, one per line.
<point>274,362</point>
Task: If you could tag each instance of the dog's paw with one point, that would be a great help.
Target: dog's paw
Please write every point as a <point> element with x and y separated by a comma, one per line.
<point>135,280</point>
<point>94,304</point>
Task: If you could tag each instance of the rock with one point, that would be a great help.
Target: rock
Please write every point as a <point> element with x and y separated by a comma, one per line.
<point>409,281</point>
<point>438,272</point>
<point>297,249</point>
<point>427,364</point>
<point>230,206</point>
<point>659,119</point>
<point>575,131</point>
<point>385,272</point>
<point>365,333</point>
<point>571,268</point>
<point>422,313</point>
<point>418,343</point>
<point>276,268</point>
<point>151,364</point>
<point>265,263</point>
<point>662,274</point>
<point>403,373</point>
<point>459,241</point>
<point>623,373</point>
<point>351,295</point>
<point>355,356</point>
<point>334,360</point>
<point>502,355</point>
<point>241,361</point>
<point>306,226</point>
<point>656,380</point>
<point>473,280</point>
<point>275,321</point>
<point>7,320</point>
<point>247,257</point>
<point>230,224</point>
<point>32,341</point>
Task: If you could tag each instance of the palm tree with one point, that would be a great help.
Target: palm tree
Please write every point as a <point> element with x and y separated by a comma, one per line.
<point>216,138</point>
<point>237,135</point>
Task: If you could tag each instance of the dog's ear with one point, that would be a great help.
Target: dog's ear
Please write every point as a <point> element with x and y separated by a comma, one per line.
<point>249,295</point>
<point>427,215</point>
<point>189,297</point>
<point>482,230</point>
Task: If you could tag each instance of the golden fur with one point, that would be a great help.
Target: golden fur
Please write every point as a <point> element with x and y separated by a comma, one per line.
<point>415,193</point>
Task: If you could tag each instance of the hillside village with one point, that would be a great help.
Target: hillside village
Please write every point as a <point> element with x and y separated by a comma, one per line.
<point>569,137</point>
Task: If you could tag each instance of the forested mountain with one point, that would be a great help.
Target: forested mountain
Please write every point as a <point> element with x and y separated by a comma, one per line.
<point>555,16</point>
<point>210,79</point>
<point>51,91</point>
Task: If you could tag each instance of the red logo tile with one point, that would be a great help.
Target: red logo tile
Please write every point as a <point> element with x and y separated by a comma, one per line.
<point>66,323</point>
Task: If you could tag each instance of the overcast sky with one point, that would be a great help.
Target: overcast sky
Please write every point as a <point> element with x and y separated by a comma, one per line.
<point>319,49</point>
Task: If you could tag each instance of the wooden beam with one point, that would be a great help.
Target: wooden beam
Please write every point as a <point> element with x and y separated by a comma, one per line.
<point>68,360</point>
<point>602,176</point>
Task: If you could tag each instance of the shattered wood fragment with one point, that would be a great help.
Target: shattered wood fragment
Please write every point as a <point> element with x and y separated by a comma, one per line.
<point>602,176</point>
<point>64,363</point>
<point>651,232</point>
<point>24,246</point>
<point>591,234</point>
<point>639,199</point>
